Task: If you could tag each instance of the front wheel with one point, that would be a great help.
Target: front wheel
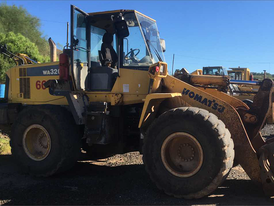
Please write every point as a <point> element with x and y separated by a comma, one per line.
<point>188,152</point>
<point>45,140</point>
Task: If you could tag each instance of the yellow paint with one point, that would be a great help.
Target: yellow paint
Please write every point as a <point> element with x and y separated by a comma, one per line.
<point>157,76</point>
<point>209,80</point>
<point>244,72</point>
<point>37,96</point>
<point>137,81</point>
<point>152,96</point>
<point>198,72</point>
<point>235,102</point>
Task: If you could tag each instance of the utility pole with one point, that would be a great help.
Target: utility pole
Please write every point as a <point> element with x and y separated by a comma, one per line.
<point>264,74</point>
<point>173,63</point>
<point>67,35</point>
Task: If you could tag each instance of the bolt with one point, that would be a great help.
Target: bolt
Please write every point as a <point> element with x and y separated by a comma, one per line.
<point>253,119</point>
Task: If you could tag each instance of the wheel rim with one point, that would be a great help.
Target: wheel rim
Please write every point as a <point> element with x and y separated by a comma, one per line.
<point>182,154</point>
<point>37,142</point>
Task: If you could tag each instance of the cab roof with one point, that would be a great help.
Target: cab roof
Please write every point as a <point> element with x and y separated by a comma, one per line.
<point>118,11</point>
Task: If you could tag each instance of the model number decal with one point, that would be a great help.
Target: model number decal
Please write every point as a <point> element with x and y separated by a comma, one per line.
<point>40,84</point>
<point>199,98</point>
<point>51,72</point>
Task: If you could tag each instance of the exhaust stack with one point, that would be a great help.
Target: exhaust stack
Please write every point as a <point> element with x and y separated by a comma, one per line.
<point>53,50</point>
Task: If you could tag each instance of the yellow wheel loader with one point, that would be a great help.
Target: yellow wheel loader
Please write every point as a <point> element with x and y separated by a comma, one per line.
<point>111,93</point>
<point>241,88</point>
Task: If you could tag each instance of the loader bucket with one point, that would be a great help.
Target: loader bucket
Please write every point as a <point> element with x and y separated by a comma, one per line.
<point>254,119</point>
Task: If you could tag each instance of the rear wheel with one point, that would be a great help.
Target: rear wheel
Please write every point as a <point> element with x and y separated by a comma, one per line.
<point>188,152</point>
<point>36,142</point>
<point>45,140</point>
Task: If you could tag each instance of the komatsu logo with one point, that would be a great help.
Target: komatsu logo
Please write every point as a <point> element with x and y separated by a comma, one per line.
<point>199,98</point>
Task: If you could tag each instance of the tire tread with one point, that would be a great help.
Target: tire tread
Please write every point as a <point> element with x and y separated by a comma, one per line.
<point>67,130</point>
<point>225,140</point>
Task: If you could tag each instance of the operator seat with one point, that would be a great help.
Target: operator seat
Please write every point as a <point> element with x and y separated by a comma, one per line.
<point>108,54</point>
<point>102,78</point>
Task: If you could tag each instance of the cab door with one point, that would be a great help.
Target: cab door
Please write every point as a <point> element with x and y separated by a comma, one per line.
<point>79,47</point>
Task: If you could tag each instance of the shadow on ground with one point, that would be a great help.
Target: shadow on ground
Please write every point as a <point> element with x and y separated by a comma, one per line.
<point>87,183</point>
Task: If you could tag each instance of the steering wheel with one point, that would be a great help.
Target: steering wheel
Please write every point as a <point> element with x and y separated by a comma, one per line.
<point>132,53</point>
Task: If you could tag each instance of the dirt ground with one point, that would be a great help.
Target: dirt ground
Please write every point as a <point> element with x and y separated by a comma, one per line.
<point>119,180</point>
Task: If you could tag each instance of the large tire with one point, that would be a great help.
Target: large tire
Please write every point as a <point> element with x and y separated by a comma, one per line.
<point>188,152</point>
<point>45,140</point>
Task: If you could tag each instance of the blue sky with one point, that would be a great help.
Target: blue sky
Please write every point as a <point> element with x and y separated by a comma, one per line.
<point>199,33</point>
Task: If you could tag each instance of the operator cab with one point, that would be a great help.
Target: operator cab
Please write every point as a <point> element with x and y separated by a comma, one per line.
<point>235,75</point>
<point>215,70</point>
<point>104,42</point>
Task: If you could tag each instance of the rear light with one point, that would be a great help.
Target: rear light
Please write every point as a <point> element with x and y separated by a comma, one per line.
<point>154,69</point>
<point>63,67</point>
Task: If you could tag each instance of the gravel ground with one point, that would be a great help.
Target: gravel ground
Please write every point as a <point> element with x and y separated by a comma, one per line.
<point>268,130</point>
<point>118,180</point>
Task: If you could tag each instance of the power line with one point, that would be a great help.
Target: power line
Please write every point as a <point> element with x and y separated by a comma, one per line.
<point>59,22</point>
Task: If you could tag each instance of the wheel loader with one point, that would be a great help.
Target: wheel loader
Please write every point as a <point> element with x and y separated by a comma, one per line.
<point>240,88</point>
<point>111,93</point>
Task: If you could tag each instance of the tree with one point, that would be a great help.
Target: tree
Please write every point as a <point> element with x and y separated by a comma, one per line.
<point>18,20</point>
<point>17,43</point>
<point>21,32</point>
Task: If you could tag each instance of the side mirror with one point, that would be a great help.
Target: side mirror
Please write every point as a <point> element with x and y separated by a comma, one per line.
<point>121,29</point>
<point>163,44</point>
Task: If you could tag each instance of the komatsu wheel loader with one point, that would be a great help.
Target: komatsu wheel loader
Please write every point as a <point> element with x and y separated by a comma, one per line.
<point>111,93</point>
